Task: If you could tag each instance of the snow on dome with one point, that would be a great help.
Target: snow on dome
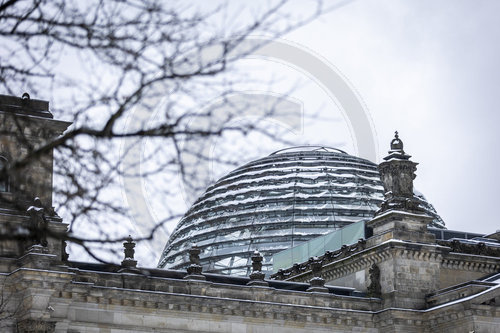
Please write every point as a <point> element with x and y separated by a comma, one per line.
<point>274,203</point>
<point>308,148</point>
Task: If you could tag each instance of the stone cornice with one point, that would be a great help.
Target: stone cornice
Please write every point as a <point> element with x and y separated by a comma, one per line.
<point>479,248</point>
<point>396,215</point>
<point>362,259</point>
<point>354,258</point>
<point>469,262</point>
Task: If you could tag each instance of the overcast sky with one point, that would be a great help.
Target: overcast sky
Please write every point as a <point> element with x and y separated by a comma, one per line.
<point>431,70</point>
<point>428,69</point>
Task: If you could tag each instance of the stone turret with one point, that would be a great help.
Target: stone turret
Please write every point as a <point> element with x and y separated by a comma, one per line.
<point>400,215</point>
<point>410,264</point>
<point>26,212</point>
<point>25,125</point>
<point>397,174</point>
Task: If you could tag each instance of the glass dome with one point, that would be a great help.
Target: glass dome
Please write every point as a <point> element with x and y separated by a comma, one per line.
<point>274,203</point>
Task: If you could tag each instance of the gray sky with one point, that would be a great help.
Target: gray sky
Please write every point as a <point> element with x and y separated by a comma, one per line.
<point>425,68</point>
<point>430,70</point>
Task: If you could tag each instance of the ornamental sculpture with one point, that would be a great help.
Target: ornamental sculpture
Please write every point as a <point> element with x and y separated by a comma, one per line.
<point>397,173</point>
<point>38,224</point>
<point>194,269</point>
<point>257,277</point>
<point>374,289</point>
<point>128,251</point>
<point>317,283</point>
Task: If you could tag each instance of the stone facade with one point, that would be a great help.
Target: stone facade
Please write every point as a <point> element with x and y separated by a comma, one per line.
<point>46,295</point>
<point>25,124</point>
<point>398,280</point>
<point>26,213</point>
<point>401,262</point>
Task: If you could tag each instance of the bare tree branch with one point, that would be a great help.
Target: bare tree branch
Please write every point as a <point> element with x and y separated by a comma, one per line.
<point>101,61</point>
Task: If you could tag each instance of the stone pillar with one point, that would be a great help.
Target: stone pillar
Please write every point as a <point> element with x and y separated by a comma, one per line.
<point>257,277</point>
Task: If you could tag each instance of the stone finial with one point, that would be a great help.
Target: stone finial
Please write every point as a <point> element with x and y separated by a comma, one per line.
<point>194,254</point>
<point>397,144</point>
<point>257,277</point>
<point>194,269</point>
<point>397,173</point>
<point>257,261</point>
<point>316,266</point>
<point>128,261</point>
<point>129,248</point>
<point>397,149</point>
<point>317,282</point>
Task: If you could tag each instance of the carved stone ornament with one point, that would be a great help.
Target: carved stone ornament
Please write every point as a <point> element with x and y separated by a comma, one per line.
<point>64,253</point>
<point>128,251</point>
<point>194,269</point>
<point>36,326</point>
<point>479,248</point>
<point>257,277</point>
<point>317,282</point>
<point>38,223</point>
<point>374,289</point>
<point>397,173</point>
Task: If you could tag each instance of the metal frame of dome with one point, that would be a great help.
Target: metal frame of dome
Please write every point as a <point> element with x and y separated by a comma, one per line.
<point>272,204</point>
<point>308,148</point>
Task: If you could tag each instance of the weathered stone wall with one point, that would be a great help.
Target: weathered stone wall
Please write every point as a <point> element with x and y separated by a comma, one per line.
<point>410,274</point>
<point>451,277</point>
<point>138,303</point>
<point>58,298</point>
<point>25,125</point>
<point>457,268</point>
<point>358,280</point>
<point>36,178</point>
